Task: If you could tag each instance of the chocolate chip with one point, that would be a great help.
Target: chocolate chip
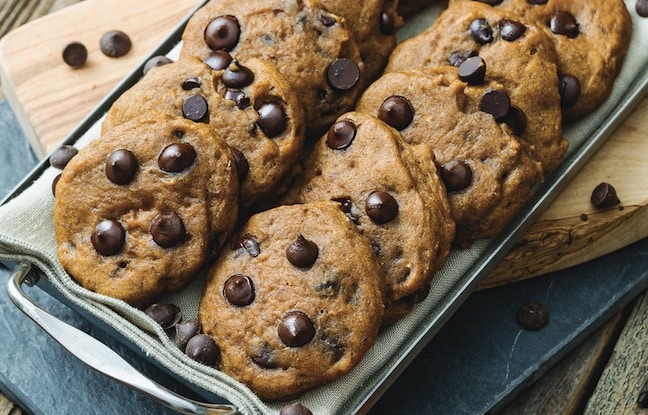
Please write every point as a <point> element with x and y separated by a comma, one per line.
<point>272,118</point>
<point>481,31</point>
<point>341,135</point>
<point>473,70</point>
<point>327,20</point>
<point>457,58</point>
<point>223,33</point>
<point>115,43</point>
<point>564,23</point>
<point>75,54</point>
<point>328,288</point>
<point>237,75</point>
<point>166,315</point>
<point>168,230</point>
<point>570,90</point>
<point>242,165</point>
<point>381,207</point>
<point>249,243</point>
<point>302,252</point>
<point>642,8</point>
<point>218,60</point>
<point>62,156</point>
<point>264,358</point>
<point>195,108</point>
<point>510,30</point>
<point>456,175</point>
<point>203,349</point>
<point>397,112</point>
<point>177,157</point>
<point>191,83</point>
<point>239,290</point>
<point>296,329</point>
<point>108,237</point>
<point>343,74</point>
<point>346,206</point>
<point>121,166</point>
<point>387,24</point>
<point>604,196</point>
<point>185,331</point>
<point>54,183</point>
<point>295,409</point>
<point>532,316</point>
<point>491,2</point>
<point>516,119</point>
<point>496,103</point>
<point>536,2</point>
<point>154,62</point>
<point>242,101</point>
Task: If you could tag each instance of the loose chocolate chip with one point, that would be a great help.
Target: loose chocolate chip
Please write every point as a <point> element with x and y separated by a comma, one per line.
<point>564,23</point>
<point>239,290</point>
<point>642,8</point>
<point>570,90</point>
<point>75,54</point>
<point>62,156</point>
<point>511,30</point>
<point>341,135</point>
<point>250,245</point>
<point>481,31</point>
<point>272,118</point>
<point>242,101</point>
<point>237,75</point>
<point>115,43</point>
<point>190,84</point>
<point>387,24</point>
<point>165,314</point>
<point>223,33</point>
<point>346,206</point>
<point>242,165</point>
<point>381,207</point>
<point>473,70</point>
<point>496,103</point>
<point>457,58</point>
<point>54,183</point>
<point>177,157</point>
<point>302,252</point>
<point>516,119</point>
<point>456,175</point>
<point>296,329</point>
<point>397,112</point>
<point>195,108</point>
<point>265,358</point>
<point>121,166</point>
<point>295,409</point>
<point>168,230</point>
<point>327,20</point>
<point>185,331</point>
<point>218,60</point>
<point>532,316</point>
<point>604,196</point>
<point>203,349</point>
<point>108,237</point>
<point>343,74</point>
<point>154,62</point>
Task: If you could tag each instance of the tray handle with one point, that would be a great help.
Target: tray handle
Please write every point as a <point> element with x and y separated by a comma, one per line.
<point>99,356</point>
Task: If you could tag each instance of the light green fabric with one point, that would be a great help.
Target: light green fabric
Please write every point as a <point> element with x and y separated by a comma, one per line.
<point>26,233</point>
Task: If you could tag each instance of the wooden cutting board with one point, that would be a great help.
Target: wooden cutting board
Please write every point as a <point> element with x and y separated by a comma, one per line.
<point>50,99</point>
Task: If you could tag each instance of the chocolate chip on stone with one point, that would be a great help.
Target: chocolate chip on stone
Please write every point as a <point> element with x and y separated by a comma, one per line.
<point>121,167</point>
<point>165,314</point>
<point>242,165</point>
<point>456,174</point>
<point>457,58</point>
<point>510,30</point>
<point>177,157</point>
<point>239,290</point>
<point>62,156</point>
<point>223,33</point>
<point>168,230</point>
<point>54,183</point>
<point>75,54</point>
<point>218,60</point>
<point>272,118</point>
<point>343,74</point>
<point>237,75</point>
<point>481,31</point>
<point>496,103</point>
<point>108,237</point>
<point>250,244</point>
<point>387,24</point>
<point>472,70</point>
<point>296,329</point>
<point>115,43</point>
<point>516,120</point>
<point>564,23</point>
<point>295,409</point>
<point>532,316</point>
<point>341,135</point>
<point>397,112</point>
<point>190,83</point>
<point>154,62</point>
<point>242,101</point>
<point>642,8</point>
<point>185,330</point>
<point>302,252</point>
<point>203,349</point>
<point>570,90</point>
<point>381,207</point>
<point>604,196</point>
<point>195,108</point>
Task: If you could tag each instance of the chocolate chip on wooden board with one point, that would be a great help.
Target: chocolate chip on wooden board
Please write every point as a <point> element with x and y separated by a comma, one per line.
<point>604,196</point>
<point>115,43</point>
<point>75,54</point>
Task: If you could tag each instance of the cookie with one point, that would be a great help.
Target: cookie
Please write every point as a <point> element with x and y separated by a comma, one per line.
<point>488,173</point>
<point>140,210</point>
<point>591,40</point>
<point>391,190</point>
<point>296,302</point>
<point>515,53</point>
<point>249,104</point>
<point>311,47</point>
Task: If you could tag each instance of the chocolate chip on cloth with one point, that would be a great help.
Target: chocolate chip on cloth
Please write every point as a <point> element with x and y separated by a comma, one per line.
<point>488,174</point>
<point>312,48</point>
<point>283,328</point>
<point>249,104</point>
<point>517,54</point>
<point>139,210</point>
<point>391,191</point>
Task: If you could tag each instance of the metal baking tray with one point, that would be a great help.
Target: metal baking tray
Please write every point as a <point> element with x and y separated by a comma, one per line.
<point>462,274</point>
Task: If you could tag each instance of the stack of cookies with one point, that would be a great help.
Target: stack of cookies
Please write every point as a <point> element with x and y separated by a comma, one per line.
<point>319,193</point>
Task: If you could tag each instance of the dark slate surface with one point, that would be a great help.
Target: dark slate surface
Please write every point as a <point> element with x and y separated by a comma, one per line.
<point>477,361</point>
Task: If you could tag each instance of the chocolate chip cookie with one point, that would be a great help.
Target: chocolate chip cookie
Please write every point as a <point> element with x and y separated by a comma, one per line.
<point>488,173</point>
<point>391,190</point>
<point>139,210</point>
<point>311,47</point>
<point>295,302</point>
